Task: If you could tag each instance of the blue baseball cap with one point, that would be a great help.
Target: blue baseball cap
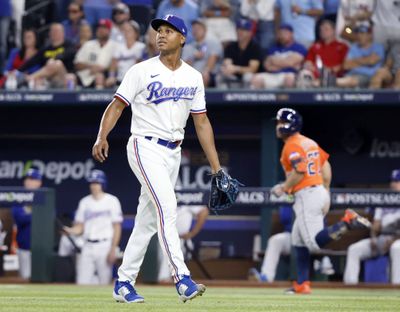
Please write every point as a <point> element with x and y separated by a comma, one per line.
<point>34,174</point>
<point>395,175</point>
<point>98,176</point>
<point>171,20</point>
<point>244,23</point>
<point>287,27</point>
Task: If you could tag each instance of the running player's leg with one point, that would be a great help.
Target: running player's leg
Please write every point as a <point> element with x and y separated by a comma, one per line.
<point>312,212</point>
<point>301,252</point>
<point>309,208</point>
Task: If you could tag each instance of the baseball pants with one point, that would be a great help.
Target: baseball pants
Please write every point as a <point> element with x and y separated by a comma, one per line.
<point>91,265</point>
<point>156,167</point>
<point>361,251</point>
<point>311,205</point>
<point>395,262</point>
<point>356,253</point>
<point>184,220</point>
<point>25,263</point>
<point>278,244</point>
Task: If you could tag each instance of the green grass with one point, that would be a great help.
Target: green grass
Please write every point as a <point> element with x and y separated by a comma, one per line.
<point>80,298</point>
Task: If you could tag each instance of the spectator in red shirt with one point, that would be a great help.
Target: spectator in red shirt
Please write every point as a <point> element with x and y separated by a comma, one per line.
<point>55,60</point>
<point>18,56</point>
<point>325,57</point>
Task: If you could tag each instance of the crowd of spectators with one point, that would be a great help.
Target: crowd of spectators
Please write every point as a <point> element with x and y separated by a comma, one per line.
<point>256,44</point>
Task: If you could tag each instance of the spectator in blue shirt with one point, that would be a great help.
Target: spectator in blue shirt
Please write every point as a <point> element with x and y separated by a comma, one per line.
<point>185,9</point>
<point>363,60</point>
<point>204,53</point>
<point>282,63</point>
<point>72,25</point>
<point>301,15</point>
<point>22,215</point>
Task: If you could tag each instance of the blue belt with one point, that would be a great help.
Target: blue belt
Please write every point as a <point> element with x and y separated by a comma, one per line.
<point>168,144</point>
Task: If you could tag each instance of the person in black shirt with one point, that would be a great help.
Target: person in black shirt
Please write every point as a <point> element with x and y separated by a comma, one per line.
<point>55,59</point>
<point>241,59</point>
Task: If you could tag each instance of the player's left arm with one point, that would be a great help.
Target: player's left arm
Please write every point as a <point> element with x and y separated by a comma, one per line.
<point>205,135</point>
<point>111,257</point>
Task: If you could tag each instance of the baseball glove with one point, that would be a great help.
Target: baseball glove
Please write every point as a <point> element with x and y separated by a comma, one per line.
<point>224,190</point>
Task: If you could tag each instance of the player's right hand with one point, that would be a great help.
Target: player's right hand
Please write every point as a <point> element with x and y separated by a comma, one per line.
<point>100,150</point>
<point>278,190</point>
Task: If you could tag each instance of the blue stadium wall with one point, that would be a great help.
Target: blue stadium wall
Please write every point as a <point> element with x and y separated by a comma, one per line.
<point>55,132</point>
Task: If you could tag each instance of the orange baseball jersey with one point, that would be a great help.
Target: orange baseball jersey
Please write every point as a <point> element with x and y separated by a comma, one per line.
<point>303,155</point>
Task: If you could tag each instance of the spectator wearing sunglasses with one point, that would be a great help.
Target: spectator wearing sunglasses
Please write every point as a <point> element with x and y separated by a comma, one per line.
<point>120,16</point>
<point>72,25</point>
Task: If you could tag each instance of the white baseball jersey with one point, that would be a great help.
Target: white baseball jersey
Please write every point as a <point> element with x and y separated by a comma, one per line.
<point>387,216</point>
<point>161,99</point>
<point>94,54</point>
<point>362,250</point>
<point>98,216</point>
<point>127,57</point>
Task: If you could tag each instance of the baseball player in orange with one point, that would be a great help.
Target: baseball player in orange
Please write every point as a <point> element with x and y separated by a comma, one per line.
<point>308,177</point>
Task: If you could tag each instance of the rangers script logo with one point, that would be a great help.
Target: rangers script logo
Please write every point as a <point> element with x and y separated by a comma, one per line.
<point>159,93</point>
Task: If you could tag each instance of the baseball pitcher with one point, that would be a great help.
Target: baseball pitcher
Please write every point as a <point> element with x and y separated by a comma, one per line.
<point>162,92</point>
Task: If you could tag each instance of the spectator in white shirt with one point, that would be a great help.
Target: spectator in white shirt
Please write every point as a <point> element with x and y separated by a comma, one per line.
<point>93,59</point>
<point>261,12</point>
<point>126,54</point>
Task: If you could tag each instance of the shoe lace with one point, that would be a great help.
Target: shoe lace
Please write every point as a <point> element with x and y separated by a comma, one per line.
<point>129,287</point>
